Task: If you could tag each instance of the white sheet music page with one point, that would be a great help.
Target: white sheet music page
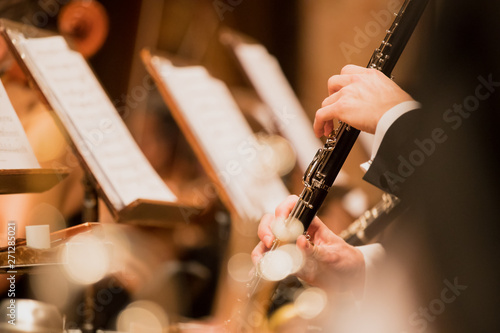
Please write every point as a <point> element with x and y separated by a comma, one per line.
<point>225,137</point>
<point>272,86</point>
<point>104,139</point>
<point>15,149</point>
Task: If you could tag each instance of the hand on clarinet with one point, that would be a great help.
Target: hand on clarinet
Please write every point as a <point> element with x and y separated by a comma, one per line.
<point>359,96</point>
<point>329,262</point>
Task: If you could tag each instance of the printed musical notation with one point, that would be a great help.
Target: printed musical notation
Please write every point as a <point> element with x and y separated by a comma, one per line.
<point>15,149</point>
<point>225,137</point>
<point>96,128</point>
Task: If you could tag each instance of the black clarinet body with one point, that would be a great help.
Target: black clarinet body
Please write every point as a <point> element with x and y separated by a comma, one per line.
<point>326,165</point>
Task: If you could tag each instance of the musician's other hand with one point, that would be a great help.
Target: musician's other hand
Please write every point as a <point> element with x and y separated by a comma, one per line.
<point>359,97</point>
<point>328,262</point>
<point>265,232</point>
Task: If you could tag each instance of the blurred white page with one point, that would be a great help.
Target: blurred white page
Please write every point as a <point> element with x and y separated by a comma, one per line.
<point>15,149</point>
<point>102,137</point>
<point>225,138</point>
<point>272,86</point>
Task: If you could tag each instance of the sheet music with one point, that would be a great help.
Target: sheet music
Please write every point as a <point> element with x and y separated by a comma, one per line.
<point>15,149</point>
<point>225,137</point>
<point>103,139</point>
<point>272,86</point>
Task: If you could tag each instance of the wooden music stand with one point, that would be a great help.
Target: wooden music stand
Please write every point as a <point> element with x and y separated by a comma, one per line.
<point>228,150</point>
<point>215,128</point>
<point>30,180</point>
<point>114,164</point>
<point>19,168</point>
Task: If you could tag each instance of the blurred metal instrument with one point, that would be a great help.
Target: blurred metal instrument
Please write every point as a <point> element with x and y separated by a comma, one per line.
<point>371,223</point>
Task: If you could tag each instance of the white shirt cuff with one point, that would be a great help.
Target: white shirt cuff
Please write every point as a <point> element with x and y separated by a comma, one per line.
<point>384,123</point>
<point>373,255</point>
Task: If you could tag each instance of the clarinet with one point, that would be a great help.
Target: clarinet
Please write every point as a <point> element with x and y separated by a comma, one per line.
<point>326,164</point>
<point>328,161</point>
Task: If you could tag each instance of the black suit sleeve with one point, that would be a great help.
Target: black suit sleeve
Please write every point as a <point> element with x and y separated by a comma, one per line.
<point>391,167</point>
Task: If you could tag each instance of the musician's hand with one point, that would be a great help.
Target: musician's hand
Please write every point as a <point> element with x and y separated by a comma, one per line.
<point>359,97</point>
<point>265,233</point>
<point>329,261</point>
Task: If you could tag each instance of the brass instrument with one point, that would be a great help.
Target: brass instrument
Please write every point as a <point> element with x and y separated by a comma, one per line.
<point>86,23</point>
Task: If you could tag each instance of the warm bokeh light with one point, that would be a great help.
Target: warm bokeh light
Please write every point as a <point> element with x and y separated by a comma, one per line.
<point>142,317</point>
<point>50,286</point>
<point>47,141</point>
<point>279,155</point>
<point>86,259</point>
<point>120,244</point>
<point>45,213</point>
<point>30,316</point>
<point>355,202</point>
<point>276,265</point>
<point>287,230</point>
<point>240,266</point>
<point>295,254</point>
<point>310,302</point>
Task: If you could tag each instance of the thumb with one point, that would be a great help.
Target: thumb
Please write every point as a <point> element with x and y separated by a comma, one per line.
<point>305,245</point>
